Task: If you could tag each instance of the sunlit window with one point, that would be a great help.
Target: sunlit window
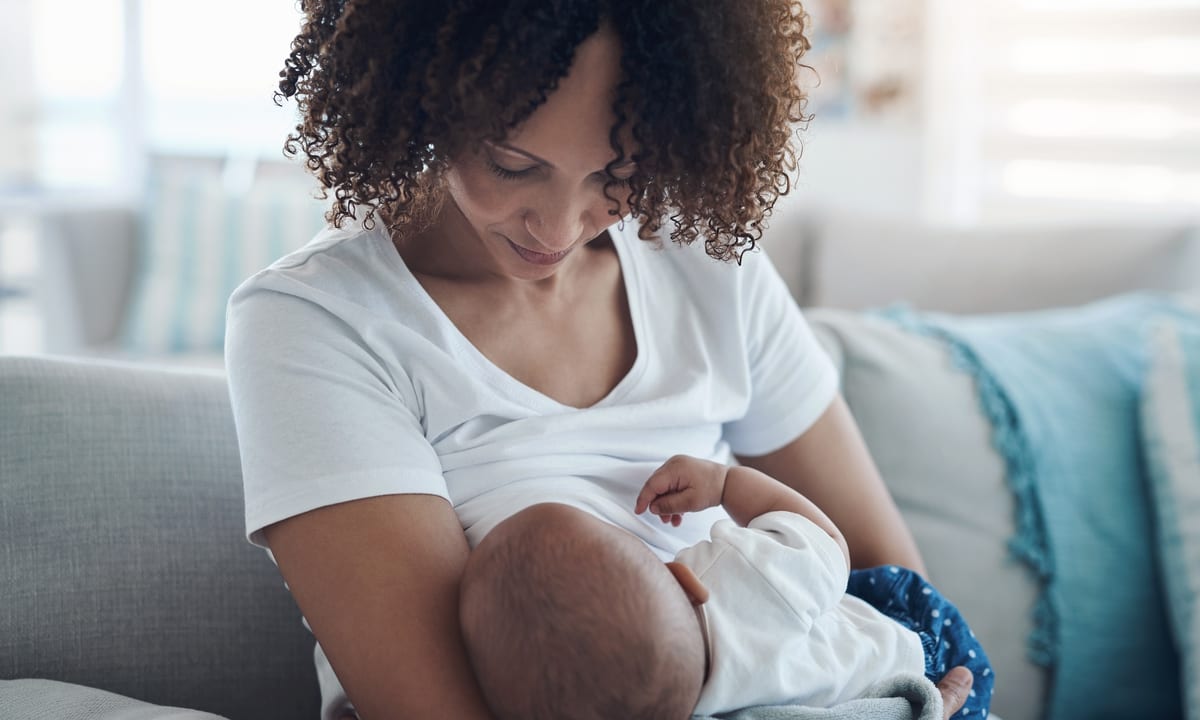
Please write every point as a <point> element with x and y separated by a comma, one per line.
<point>125,78</point>
<point>81,59</point>
<point>1011,99</point>
<point>210,70</point>
<point>78,69</point>
<point>1070,106</point>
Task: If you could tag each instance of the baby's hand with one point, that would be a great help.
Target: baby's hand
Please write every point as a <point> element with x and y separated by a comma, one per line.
<point>682,484</point>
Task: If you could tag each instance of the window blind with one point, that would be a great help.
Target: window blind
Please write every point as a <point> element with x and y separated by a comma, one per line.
<point>1062,106</point>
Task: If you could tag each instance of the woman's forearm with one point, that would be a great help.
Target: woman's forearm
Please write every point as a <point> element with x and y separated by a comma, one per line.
<point>830,465</point>
<point>377,580</point>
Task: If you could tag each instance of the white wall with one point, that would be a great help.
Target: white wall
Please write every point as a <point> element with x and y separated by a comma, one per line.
<point>861,167</point>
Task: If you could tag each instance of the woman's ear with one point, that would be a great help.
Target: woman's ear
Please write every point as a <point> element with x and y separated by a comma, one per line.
<point>691,584</point>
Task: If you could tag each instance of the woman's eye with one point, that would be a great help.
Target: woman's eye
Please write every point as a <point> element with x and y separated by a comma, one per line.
<point>505,173</point>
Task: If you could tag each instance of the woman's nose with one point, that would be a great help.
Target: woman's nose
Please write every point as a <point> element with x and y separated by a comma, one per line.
<point>555,231</point>
<point>559,225</point>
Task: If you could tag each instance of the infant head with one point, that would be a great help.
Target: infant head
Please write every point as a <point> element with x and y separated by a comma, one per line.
<point>566,616</point>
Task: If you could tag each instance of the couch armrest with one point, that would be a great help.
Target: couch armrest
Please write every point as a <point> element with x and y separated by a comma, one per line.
<point>125,564</point>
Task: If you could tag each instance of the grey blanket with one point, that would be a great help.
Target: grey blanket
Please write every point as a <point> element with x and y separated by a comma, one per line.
<point>50,700</point>
<point>904,697</point>
<point>901,698</point>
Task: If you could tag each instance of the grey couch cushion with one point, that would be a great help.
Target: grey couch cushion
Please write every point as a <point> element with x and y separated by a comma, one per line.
<point>922,420</point>
<point>124,564</point>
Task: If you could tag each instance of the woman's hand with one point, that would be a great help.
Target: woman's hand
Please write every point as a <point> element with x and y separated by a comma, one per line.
<point>954,687</point>
<point>682,484</point>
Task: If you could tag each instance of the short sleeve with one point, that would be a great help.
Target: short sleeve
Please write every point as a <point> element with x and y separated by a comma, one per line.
<point>319,419</point>
<point>778,552</point>
<point>792,379</point>
<point>801,535</point>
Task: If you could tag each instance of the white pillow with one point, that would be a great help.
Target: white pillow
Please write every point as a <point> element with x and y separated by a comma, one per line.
<point>921,418</point>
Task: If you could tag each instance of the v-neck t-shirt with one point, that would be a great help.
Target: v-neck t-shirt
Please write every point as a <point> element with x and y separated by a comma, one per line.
<point>348,381</point>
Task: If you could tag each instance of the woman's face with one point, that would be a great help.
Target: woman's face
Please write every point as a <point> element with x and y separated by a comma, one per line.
<point>533,200</point>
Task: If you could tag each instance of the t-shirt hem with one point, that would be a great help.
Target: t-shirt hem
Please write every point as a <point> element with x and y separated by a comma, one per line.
<point>336,489</point>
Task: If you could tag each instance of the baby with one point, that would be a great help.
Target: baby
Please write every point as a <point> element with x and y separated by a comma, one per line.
<point>566,616</point>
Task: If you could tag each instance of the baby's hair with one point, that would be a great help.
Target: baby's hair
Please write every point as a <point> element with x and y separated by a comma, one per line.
<point>554,637</point>
<point>390,90</point>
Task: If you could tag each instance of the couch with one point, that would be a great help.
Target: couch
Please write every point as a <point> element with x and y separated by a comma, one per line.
<point>125,580</point>
<point>125,574</point>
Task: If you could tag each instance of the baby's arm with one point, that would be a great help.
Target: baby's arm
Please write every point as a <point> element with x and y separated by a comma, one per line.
<point>687,484</point>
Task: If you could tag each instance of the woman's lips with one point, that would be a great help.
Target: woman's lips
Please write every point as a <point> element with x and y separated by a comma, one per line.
<point>538,258</point>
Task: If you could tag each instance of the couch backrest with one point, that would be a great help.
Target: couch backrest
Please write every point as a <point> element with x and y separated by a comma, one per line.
<point>862,262</point>
<point>125,566</point>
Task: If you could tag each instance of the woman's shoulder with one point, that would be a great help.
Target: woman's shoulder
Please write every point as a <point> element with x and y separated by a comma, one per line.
<point>342,298</point>
<point>352,264</point>
<point>332,252</point>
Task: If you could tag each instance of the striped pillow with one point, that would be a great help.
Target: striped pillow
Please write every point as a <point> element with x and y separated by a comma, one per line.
<point>199,241</point>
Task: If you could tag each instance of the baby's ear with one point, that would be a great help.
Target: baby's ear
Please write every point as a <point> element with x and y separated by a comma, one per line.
<point>691,584</point>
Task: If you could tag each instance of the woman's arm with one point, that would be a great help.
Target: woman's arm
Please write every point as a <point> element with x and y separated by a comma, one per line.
<point>377,579</point>
<point>831,466</point>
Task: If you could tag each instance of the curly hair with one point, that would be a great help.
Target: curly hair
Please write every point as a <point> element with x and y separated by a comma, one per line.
<point>390,90</point>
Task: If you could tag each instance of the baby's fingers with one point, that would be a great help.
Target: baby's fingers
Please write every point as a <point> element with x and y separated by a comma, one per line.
<point>675,503</point>
<point>644,498</point>
<point>660,483</point>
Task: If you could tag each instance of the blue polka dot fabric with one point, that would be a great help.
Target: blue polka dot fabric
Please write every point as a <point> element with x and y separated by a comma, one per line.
<point>904,596</point>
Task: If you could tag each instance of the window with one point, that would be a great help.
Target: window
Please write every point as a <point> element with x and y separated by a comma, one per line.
<point>210,70</point>
<point>79,76</point>
<point>124,78</point>
<point>1042,108</point>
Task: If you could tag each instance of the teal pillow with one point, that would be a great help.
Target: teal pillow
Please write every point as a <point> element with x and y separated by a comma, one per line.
<point>199,241</point>
<point>1062,389</point>
<point>1171,436</point>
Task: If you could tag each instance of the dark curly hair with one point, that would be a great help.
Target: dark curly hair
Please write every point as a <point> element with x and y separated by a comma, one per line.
<point>390,90</point>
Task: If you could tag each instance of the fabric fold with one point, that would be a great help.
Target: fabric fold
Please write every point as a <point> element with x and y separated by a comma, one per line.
<point>903,697</point>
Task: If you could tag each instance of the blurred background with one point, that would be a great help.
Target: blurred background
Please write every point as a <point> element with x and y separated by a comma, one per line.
<point>966,156</point>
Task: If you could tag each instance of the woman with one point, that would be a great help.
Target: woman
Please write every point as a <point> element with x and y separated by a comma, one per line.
<point>487,335</point>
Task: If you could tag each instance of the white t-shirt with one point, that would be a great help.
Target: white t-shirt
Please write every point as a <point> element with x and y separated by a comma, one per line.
<point>348,381</point>
<point>782,628</point>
